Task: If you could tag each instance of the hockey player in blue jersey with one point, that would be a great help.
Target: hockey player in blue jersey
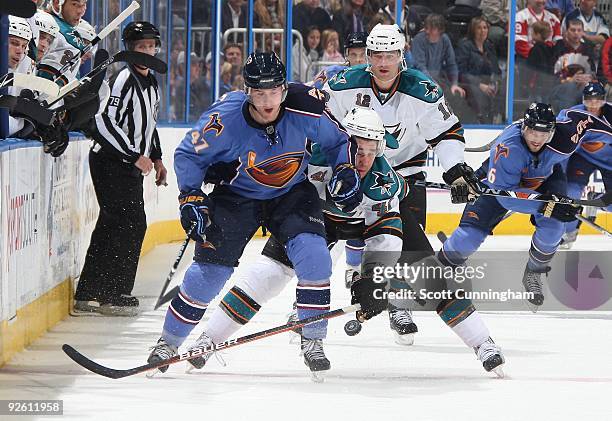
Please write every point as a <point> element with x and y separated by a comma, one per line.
<point>594,153</point>
<point>267,132</point>
<point>525,158</point>
<point>354,53</point>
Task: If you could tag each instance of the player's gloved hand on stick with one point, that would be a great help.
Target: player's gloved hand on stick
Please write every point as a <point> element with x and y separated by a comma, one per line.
<point>560,211</point>
<point>345,188</point>
<point>371,295</point>
<point>465,186</point>
<point>195,209</point>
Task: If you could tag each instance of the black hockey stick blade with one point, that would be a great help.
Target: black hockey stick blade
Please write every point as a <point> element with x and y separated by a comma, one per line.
<point>142,59</point>
<point>28,108</point>
<point>168,296</point>
<point>112,373</point>
<point>21,8</point>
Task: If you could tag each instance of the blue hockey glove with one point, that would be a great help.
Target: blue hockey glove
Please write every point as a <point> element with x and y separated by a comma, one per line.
<point>195,212</point>
<point>465,186</point>
<point>345,188</point>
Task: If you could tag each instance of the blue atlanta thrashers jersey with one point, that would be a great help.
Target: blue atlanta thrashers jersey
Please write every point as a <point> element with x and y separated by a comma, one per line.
<point>596,145</point>
<point>270,159</point>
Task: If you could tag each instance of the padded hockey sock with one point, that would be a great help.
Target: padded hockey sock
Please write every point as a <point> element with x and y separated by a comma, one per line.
<point>354,251</point>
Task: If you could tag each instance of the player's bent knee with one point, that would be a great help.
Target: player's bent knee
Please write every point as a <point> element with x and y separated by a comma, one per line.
<point>264,279</point>
<point>203,281</point>
<point>310,257</point>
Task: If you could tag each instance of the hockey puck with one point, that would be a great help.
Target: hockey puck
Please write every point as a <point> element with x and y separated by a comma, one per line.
<point>352,327</point>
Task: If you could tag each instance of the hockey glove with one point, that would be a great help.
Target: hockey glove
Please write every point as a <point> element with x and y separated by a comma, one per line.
<point>54,138</point>
<point>560,211</point>
<point>345,188</point>
<point>371,295</point>
<point>465,186</point>
<point>195,212</point>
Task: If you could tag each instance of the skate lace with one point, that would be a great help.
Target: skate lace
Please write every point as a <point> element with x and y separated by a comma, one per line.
<point>533,283</point>
<point>314,349</point>
<point>164,350</point>
<point>487,349</point>
<point>401,317</point>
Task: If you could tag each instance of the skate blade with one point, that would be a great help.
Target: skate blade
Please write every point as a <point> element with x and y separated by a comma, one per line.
<point>153,373</point>
<point>317,376</point>
<point>404,340</point>
<point>533,307</point>
<point>294,338</point>
<point>118,311</point>
<point>191,369</point>
<point>499,371</point>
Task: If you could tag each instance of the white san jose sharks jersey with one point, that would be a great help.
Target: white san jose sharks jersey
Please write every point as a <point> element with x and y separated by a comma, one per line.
<point>414,112</point>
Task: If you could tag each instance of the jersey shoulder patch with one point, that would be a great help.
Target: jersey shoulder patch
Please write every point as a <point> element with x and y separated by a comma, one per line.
<point>381,182</point>
<point>354,77</point>
<point>416,84</point>
<point>305,98</point>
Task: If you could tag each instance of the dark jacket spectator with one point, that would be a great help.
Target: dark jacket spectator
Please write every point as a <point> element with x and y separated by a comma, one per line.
<point>354,17</point>
<point>574,49</point>
<point>233,15</point>
<point>307,14</point>
<point>479,71</point>
<point>539,77</point>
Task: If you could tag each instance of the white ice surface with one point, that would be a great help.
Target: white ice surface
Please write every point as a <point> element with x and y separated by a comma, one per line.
<point>558,365</point>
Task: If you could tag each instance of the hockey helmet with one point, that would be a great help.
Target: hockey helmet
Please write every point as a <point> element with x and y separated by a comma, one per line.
<point>264,71</point>
<point>539,117</point>
<point>136,31</point>
<point>366,123</point>
<point>19,27</point>
<point>386,38</point>
<point>46,23</point>
<point>593,90</point>
<point>355,40</point>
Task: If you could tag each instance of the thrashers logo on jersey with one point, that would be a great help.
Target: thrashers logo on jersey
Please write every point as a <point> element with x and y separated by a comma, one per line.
<point>214,124</point>
<point>501,150</point>
<point>276,171</point>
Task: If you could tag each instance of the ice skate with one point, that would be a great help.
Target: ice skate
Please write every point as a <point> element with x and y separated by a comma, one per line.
<point>161,351</point>
<point>402,325</point>
<point>198,363</point>
<point>533,283</point>
<point>293,318</point>
<point>121,305</point>
<point>568,240</point>
<point>349,275</point>
<point>491,357</point>
<point>315,358</point>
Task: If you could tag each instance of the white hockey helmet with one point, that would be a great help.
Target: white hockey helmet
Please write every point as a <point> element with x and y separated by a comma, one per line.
<point>86,31</point>
<point>367,124</point>
<point>19,27</point>
<point>386,38</point>
<point>46,23</point>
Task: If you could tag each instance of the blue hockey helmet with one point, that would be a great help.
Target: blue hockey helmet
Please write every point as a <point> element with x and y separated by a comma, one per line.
<point>593,90</point>
<point>539,117</point>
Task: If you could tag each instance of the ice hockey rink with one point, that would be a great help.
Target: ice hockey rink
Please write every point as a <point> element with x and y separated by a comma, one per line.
<point>557,365</point>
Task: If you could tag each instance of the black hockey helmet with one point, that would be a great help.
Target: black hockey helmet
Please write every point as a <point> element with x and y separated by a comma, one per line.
<point>355,40</point>
<point>540,117</point>
<point>136,31</point>
<point>593,90</point>
<point>264,71</point>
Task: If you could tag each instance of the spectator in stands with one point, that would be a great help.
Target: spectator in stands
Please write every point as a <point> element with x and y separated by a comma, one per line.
<point>307,14</point>
<point>330,45</point>
<point>525,18</point>
<point>496,13</point>
<point>353,17</point>
<point>199,92</point>
<point>574,48</point>
<point>539,76</point>
<point>560,8</point>
<point>605,67</point>
<point>233,55</point>
<point>234,15</point>
<point>458,18</point>
<point>308,54</point>
<point>269,14</point>
<point>225,78</point>
<point>479,71</point>
<point>573,79</point>
<point>595,27</point>
<point>434,55</point>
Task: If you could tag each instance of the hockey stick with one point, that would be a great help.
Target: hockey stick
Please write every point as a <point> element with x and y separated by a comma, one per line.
<point>594,225</point>
<point>132,57</point>
<point>600,202</point>
<point>483,148</point>
<point>114,24</point>
<point>442,237</point>
<point>111,373</point>
<point>31,82</point>
<point>179,257</point>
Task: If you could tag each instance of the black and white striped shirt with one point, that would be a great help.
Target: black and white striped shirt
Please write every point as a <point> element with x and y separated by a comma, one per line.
<point>126,128</point>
